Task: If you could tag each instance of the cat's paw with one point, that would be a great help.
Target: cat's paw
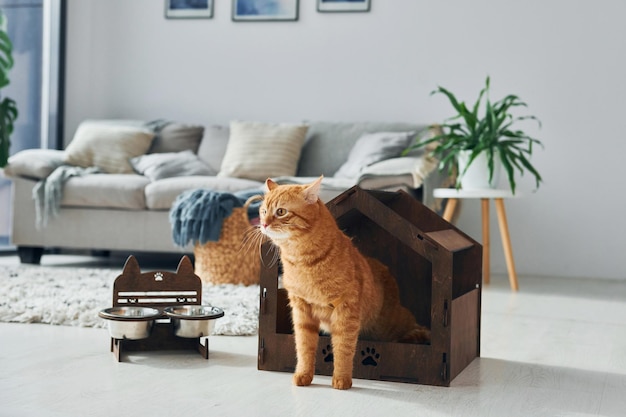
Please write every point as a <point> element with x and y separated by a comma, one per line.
<point>342,382</point>
<point>302,379</point>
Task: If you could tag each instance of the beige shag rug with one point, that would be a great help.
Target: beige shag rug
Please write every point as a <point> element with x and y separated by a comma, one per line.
<point>74,297</point>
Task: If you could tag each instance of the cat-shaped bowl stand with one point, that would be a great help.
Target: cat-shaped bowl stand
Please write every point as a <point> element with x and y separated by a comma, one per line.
<point>159,290</point>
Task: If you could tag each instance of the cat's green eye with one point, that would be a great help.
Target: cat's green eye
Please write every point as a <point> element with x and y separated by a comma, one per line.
<point>280,212</point>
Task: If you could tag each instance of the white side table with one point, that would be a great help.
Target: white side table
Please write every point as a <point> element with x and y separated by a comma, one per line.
<point>485,195</point>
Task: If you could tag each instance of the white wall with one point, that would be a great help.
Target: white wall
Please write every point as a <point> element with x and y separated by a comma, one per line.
<point>565,58</point>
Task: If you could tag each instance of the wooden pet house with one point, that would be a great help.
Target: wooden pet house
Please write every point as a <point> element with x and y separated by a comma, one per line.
<point>438,269</point>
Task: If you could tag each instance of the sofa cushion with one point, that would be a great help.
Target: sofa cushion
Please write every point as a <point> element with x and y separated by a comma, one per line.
<point>157,166</point>
<point>34,163</point>
<point>328,144</point>
<point>259,150</point>
<point>161,194</point>
<point>176,137</point>
<point>107,146</point>
<point>124,191</point>
<point>213,145</point>
<point>371,148</point>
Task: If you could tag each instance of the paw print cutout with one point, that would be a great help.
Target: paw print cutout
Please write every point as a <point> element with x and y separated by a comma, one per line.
<point>328,354</point>
<point>370,357</point>
<point>158,276</point>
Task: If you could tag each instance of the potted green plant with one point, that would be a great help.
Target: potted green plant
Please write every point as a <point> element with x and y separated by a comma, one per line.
<point>8,108</point>
<point>473,134</point>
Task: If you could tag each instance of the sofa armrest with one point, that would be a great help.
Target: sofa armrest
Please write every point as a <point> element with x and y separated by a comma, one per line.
<point>34,163</point>
<point>409,171</point>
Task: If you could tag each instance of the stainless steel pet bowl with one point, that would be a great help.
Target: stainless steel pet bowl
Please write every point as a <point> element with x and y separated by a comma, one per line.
<point>193,320</point>
<point>130,322</point>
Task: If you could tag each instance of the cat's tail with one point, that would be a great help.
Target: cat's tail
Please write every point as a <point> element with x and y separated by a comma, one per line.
<point>419,334</point>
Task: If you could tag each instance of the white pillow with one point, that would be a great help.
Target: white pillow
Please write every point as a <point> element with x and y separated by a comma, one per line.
<point>259,150</point>
<point>108,147</point>
<point>371,148</point>
<point>170,164</point>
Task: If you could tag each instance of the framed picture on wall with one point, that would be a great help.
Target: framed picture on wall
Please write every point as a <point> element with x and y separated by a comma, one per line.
<point>264,10</point>
<point>343,5</point>
<point>188,9</point>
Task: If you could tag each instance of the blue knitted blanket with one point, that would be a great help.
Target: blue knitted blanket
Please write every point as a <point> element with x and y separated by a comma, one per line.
<point>197,215</point>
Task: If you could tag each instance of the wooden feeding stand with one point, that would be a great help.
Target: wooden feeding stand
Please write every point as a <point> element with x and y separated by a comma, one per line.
<point>438,269</point>
<point>158,289</point>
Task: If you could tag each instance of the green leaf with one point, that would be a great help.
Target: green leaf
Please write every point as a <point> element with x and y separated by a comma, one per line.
<point>6,51</point>
<point>8,107</point>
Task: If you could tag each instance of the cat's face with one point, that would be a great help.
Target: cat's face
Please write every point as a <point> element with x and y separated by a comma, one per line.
<point>288,210</point>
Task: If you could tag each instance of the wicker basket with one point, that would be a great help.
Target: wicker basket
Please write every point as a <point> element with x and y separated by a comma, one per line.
<point>227,261</point>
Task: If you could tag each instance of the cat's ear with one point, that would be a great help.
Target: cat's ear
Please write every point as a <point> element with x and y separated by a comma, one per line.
<point>312,191</point>
<point>270,185</point>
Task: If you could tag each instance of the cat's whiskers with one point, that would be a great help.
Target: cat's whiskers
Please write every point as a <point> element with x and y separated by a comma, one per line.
<point>254,239</point>
<point>275,255</point>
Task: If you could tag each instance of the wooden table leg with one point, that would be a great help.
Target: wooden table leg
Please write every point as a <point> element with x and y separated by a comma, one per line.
<point>506,243</point>
<point>486,243</point>
<point>448,213</point>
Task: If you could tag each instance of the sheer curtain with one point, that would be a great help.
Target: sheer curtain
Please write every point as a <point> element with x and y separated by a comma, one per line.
<point>36,83</point>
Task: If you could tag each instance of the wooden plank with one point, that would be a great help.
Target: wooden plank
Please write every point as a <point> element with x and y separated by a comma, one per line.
<point>465,336</point>
<point>450,240</point>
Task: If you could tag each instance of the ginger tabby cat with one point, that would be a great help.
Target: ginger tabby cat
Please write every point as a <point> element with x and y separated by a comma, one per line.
<point>330,284</point>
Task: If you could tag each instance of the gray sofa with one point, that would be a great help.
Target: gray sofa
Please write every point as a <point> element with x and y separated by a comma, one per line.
<point>113,209</point>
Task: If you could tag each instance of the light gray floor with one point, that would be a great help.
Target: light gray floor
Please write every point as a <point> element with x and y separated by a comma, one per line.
<point>556,348</point>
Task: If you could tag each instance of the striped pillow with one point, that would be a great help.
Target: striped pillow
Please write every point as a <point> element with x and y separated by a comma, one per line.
<point>259,150</point>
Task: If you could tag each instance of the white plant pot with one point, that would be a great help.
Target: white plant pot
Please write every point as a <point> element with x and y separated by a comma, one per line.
<point>477,175</point>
